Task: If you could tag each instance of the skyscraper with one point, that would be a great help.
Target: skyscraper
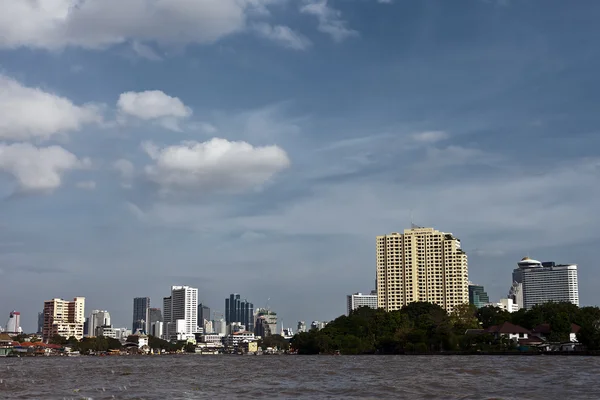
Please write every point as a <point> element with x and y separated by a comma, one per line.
<point>182,313</point>
<point>203,314</point>
<point>154,316</point>
<point>13,325</point>
<point>237,310</point>
<point>544,282</point>
<point>40,322</point>
<point>421,264</point>
<point>478,296</point>
<point>140,313</point>
<point>356,300</point>
<point>97,319</point>
<point>64,318</point>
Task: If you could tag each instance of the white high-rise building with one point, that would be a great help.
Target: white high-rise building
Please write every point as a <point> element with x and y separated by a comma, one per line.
<point>98,319</point>
<point>180,313</point>
<point>537,283</point>
<point>357,300</point>
<point>13,325</point>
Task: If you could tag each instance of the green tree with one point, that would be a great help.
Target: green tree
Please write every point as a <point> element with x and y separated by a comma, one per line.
<point>464,317</point>
<point>58,339</point>
<point>491,316</point>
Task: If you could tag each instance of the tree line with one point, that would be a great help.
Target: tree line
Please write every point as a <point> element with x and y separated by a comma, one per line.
<point>422,327</point>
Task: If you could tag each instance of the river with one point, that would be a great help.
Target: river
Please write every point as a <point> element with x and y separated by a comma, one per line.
<point>292,377</point>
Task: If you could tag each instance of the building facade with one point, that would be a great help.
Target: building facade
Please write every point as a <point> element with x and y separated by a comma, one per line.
<point>154,316</point>
<point>13,325</point>
<point>64,318</point>
<point>421,264</point>
<point>301,327</point>
<point>98,319</point>
<point>203,314</point>
<point>478,296</point>
<point>238,310</point>
<point>266,322</point>
<point>180,313</point>
<point>548,282</point>
<point>141,305</point>
<point>356,300</point>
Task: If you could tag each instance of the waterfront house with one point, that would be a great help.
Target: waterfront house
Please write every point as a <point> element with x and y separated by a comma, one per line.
<point>509,330</point>
<point>6,345</point>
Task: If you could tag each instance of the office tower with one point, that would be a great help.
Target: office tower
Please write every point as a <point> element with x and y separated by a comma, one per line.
<point>181,313</point>
<point>266,322</point>
<point>40,322</point>
<point>478,296</point>
<point>13,325</point>
<point>237,310</point>
<point>154,315</point>
<point>203,314</point>
<point>97,319</point>
<point>544,282</point>
<point>140,313</point>
<point>356,300</point>
<point>166,317</point>
<point>64,318</point>
<point>301,327</point>
<point>421,264</point>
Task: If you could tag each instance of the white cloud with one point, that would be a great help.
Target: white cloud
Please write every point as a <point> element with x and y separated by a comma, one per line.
<point>96,24</point>
<point>86,185</point>
<point>152,104</point>
<point>38,169</point>
<point>330,20</point>
<point>429,136</point>
<point>31,113</point>
<point>283,35</point>
<point>215,165</point>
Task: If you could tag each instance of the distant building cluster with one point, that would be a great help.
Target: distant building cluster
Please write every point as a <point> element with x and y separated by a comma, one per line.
<point>418,265</point>
<point>535,282</point>
<point>424,264</point>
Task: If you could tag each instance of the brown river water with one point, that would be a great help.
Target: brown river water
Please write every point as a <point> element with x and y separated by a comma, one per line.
<point>292,377</point>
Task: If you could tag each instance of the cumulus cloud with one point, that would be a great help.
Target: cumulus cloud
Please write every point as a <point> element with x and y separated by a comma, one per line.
<point>154,105</point>
<point>283,35</point>
<point>213,166</point>
<point>96,24</point>
<point>31,113</point>
<point>38,169</point>
<point>330,19</point>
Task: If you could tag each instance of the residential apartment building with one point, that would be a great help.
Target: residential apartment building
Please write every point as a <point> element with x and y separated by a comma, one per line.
<point>478,296</point>
<point>141,305</point>
<point>180,313</point>
<point>64,318</point>
<point>421,264</point>
<point>356,300</point>
<point>546,282</point>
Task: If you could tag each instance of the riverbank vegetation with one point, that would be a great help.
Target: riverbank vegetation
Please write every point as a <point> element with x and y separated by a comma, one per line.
<point>426,328</point>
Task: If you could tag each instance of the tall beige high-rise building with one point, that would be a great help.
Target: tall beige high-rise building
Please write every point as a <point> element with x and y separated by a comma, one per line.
<point>421,264</point>
<point>64,318</point>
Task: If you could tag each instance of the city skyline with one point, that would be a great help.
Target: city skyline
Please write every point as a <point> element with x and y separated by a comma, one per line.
<point>263,155</point>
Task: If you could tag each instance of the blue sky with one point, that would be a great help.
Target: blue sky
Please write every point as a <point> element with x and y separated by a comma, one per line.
<point>259,146</point>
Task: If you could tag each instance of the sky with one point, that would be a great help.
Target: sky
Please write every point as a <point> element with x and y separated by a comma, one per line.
<point>259,146</point>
